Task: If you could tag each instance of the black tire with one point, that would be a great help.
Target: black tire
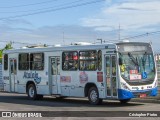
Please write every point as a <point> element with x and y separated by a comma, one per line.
<point>125,101</point>
<point>39,97</point>
<point>93,96</point>
<point>61,97</point>
<point>32,92</point>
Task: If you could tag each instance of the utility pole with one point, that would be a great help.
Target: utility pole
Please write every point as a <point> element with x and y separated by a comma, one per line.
<point>63,39</point>
<point>100,40</point>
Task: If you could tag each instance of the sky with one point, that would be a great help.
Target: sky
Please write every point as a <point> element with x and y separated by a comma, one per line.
<point>27,22</point>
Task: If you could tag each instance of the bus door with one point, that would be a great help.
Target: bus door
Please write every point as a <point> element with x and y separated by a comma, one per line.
<point>54,73</point>
<point>111,81</point>
<point>13,74</point>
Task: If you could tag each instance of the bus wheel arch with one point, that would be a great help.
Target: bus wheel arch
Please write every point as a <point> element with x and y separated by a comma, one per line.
<point>87,87</point>
<point>91,91</point>
<point>32,91</point>
<point>124,101</point>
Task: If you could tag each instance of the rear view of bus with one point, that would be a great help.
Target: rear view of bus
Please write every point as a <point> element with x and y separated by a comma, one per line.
<point>137,71</point>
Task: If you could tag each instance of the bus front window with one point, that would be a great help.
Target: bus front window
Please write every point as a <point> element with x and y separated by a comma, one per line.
<point>137,67</point>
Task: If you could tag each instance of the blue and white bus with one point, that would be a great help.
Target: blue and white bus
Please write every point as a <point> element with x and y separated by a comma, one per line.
<point>118,71</point>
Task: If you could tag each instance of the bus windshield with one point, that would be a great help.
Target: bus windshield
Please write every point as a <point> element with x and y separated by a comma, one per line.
<point>137,65</point>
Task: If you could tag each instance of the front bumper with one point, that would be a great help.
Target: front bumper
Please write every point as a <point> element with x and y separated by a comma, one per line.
<point>125,94</point>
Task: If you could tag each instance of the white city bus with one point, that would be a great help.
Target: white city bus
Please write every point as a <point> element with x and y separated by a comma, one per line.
<point>119,71</point>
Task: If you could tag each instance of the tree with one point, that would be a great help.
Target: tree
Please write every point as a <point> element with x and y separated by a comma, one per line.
<point>7,47</point>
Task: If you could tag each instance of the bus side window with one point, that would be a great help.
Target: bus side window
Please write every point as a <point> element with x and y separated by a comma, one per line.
<point>113,65</point>
<point>53,61</point>
<point>23,61</point>
<point>70,60</point>
<point>108,66</point>
<point>36,61</point>
<point>88,60</point>
<point>5,61</point>
<point>99,60</point>
<point>13,66</point>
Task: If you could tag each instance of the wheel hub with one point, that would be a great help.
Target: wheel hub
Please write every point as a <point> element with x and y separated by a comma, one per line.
<point>93,96</point>
<point>31,92</point>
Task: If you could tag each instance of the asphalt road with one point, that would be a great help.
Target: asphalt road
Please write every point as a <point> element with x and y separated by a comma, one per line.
<point>77,106</point>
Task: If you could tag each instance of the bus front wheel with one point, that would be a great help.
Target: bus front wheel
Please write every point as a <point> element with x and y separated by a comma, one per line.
<point>93,96</point>
<point>125,101</point>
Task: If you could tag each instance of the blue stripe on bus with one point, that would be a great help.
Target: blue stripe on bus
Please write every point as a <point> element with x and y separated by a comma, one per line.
<point>124,94</point>
<point>154,92</point>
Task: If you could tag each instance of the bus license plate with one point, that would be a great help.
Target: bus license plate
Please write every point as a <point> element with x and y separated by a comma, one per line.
<point>143,95</point>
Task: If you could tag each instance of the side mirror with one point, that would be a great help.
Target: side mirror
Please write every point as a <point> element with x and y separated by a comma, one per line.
<point>120,61</point>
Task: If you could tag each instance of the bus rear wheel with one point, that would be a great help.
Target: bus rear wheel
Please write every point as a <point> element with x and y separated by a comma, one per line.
<point>93,96</point>
<point>32,92</point>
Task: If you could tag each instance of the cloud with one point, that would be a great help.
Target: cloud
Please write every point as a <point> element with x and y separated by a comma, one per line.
<point>130,14</point>
<point>133,16</point>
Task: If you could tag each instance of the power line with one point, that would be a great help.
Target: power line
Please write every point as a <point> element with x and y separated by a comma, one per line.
<point>134,37</point>
<point>56,9</point>
<point>68,3</point>
<point>24,5</point>
<point>142,35</point>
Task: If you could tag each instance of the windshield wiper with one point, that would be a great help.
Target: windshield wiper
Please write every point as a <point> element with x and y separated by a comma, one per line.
<point>134,60</point>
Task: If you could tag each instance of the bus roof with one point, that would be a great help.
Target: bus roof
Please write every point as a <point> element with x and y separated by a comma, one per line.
<point>62,48</point>
<point>68,48</point>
